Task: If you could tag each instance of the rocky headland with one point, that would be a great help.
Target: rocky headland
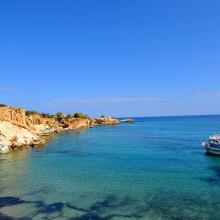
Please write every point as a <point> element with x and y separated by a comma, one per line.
<point>20,128</point>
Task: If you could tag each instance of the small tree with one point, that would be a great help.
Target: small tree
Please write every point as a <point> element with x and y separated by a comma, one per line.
<point>81,115</point>
<point>32,112</point>
<point>59,116</point>
<point>69,116</point>
<point>77,115</point>
<point>45,115</point>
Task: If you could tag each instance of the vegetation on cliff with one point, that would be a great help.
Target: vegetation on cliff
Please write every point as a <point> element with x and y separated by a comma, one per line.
<point>59,115</point>
<point>81,115</point>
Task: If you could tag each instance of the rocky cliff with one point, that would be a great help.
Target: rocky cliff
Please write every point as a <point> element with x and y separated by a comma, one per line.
<point>18,129</point>
<point>14,115</point>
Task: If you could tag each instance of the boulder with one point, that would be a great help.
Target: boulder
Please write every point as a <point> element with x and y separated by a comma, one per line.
<point>4,148</point>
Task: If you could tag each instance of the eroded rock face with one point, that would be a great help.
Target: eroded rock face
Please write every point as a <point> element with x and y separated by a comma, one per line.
<point>38,123</point>
<point>14,115</point>
<point>75,123</point>
<point>13,134</point>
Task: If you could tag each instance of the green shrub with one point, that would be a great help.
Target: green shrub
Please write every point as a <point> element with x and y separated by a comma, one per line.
<point>59,116</point>
<point>32,112</point>
<point>81,115</point>
<point>44,115</point>
<point>69,116</point>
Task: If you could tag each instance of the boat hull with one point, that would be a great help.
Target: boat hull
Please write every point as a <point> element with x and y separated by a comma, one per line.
<point>212,149</point>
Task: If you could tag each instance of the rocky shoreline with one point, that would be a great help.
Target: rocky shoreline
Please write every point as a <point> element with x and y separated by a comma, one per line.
<point>20,128</point>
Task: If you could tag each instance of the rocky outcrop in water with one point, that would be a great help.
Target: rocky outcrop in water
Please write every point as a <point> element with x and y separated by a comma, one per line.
<point>106,121</point>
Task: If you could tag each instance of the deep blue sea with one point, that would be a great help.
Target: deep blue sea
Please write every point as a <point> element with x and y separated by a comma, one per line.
<point>154,168</point>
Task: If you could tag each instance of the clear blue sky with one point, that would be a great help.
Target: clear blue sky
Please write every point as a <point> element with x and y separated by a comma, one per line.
<point>113,57</point>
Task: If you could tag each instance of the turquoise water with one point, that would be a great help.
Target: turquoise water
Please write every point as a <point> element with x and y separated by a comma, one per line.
<point>154,168</point>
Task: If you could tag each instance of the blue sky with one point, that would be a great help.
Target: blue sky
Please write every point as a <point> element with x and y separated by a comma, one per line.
<point>112,57</point>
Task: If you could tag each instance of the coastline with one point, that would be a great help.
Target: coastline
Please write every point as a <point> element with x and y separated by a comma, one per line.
<point>20,128</point>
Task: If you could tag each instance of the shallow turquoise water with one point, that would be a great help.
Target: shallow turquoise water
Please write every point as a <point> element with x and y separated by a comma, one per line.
<point>154,168</point>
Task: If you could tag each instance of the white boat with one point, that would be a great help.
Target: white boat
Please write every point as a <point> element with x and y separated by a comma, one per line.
<point>212,146</point>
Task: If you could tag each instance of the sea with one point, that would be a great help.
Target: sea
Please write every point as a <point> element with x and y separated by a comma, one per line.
<point>154,168</point>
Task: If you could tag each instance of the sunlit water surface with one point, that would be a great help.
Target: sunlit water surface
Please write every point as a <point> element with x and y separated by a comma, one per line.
<point>154,168</point>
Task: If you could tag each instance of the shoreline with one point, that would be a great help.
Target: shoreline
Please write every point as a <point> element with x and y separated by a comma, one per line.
<point>20,128</point>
